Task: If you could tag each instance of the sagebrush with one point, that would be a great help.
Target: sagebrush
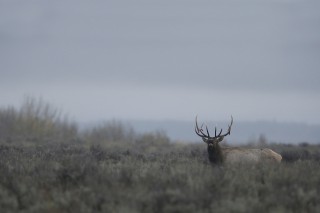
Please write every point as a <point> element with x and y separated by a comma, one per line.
<point>48,165</point>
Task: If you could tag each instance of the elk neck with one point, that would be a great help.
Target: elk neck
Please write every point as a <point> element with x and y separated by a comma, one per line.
<point>215,153</point>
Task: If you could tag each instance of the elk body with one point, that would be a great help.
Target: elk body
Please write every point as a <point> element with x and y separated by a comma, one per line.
<point>231,155</point>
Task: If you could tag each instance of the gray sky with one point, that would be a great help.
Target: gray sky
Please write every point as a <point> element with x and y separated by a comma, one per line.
<point>168,59</point>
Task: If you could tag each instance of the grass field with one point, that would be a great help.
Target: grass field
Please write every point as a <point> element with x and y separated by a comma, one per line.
<point>47,165</point>
<point>76,178</point>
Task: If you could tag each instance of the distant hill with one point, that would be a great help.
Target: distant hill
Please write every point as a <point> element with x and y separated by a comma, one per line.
<point>242,132</point>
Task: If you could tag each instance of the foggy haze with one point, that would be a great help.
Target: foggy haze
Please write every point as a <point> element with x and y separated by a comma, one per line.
<point>159,60</point>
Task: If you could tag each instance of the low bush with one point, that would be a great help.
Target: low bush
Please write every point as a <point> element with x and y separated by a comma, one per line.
<point>71,177</point>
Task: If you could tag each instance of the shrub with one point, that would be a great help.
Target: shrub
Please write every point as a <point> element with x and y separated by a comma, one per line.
<point>112,131</point>
<point>64,178</point>
<point>35,121</point>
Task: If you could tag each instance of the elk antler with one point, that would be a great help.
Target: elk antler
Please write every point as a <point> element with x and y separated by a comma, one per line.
<point>200,132</point>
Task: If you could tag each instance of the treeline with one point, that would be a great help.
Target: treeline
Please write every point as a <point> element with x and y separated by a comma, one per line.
<point>37,122</point>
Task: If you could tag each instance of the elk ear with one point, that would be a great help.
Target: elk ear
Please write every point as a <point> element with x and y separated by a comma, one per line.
<point>205,140</point>
<point>220,139</point>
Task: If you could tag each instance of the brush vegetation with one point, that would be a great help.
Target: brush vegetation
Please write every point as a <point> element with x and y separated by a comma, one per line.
<point>48,165</point>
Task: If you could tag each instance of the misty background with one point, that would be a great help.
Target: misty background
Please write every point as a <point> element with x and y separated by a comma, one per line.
<point>158,64</point>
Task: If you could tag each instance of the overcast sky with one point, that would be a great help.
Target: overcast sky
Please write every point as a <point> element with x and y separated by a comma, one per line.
<point>167,59</point>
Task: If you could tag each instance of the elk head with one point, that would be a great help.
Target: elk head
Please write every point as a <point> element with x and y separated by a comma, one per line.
<point>214,150</point>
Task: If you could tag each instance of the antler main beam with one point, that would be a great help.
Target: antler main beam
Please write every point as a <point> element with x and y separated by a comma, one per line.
<point>199,131</point>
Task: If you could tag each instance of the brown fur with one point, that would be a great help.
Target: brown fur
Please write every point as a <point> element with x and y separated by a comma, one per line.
<point>215,154</point>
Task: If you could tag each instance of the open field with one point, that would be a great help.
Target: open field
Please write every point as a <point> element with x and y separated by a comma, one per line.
<point>178,178</point>
<point>47,165</point>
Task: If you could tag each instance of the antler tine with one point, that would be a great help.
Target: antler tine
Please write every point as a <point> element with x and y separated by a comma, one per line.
<point>230,124</point>
<point>207,131</point>
<point>229,128</point>
<point>197,127</point>
<point>200,132</point>
<point>219,133</point>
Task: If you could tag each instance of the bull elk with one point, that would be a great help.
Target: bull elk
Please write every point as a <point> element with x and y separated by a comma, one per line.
<point>230,155</point>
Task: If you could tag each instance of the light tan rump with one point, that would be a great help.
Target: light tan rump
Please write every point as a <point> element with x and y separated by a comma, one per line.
<point>238,155</point>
